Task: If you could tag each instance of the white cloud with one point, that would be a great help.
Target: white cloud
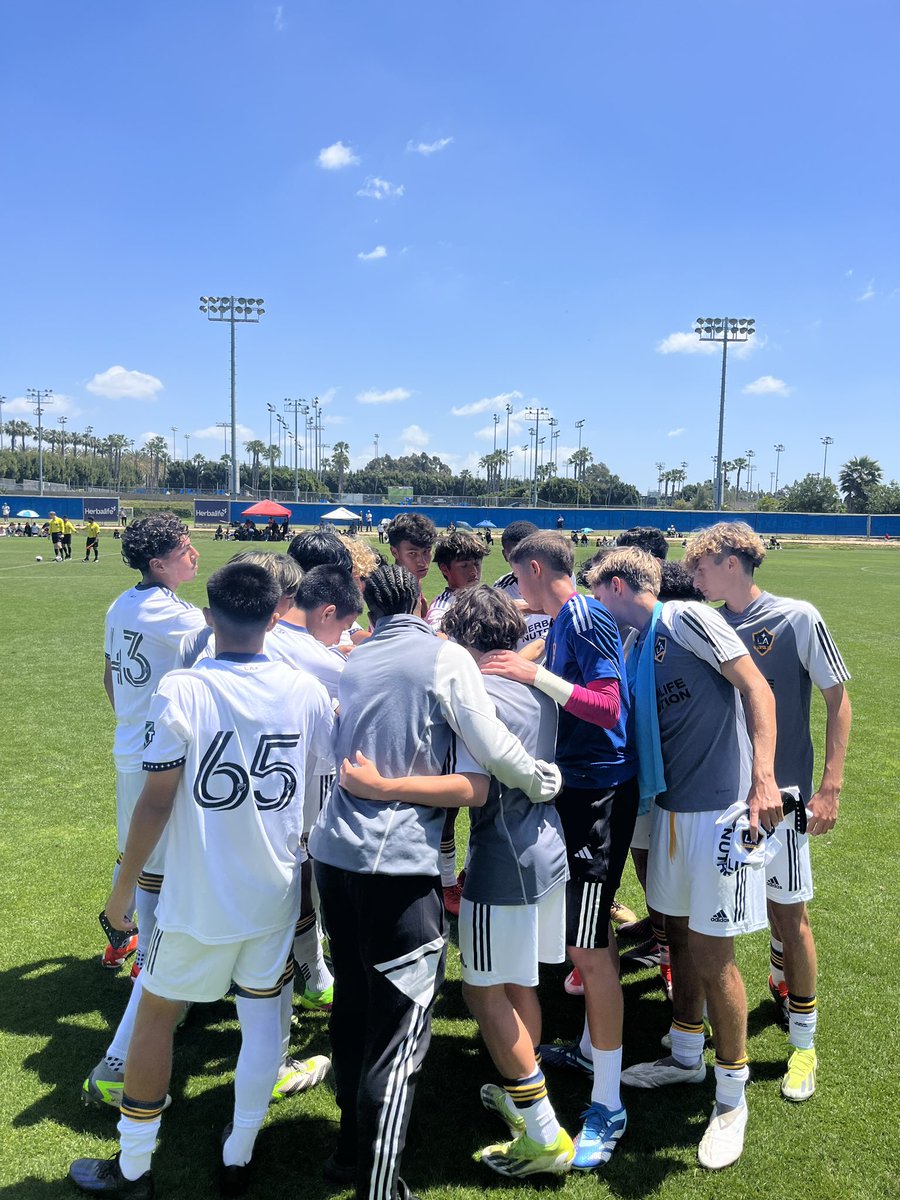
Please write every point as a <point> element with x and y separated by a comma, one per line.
<point>690,343</point>
<point>392,396</point>
<point>279,22</point>
<point>368,256</point>
<point>427,148</point>
<point>767,385</point>
<point>519,422</point>
<point>217,434</point>
<point>489,402</point>
<point>119,384</point>
<point>680,430</point>
<point>868,293</point>
<point>685,343</point>
<point>414,439</point>
<point>380,189</point>
<point>56,405</point>
<point>336,156</point>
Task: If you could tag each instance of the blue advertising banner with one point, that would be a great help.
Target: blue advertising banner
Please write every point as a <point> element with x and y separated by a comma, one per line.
<point>211,512</point>
<point>102,509</point>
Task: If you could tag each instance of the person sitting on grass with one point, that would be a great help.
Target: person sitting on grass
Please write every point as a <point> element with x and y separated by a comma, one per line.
<point>225,757</point>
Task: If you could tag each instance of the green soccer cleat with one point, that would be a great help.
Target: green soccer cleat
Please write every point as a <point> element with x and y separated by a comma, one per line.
<point>296,1076</point>
<point>496,1100</point>
<point>103,1086</point>
<point>800,1081</point>
<point>527,1157</point>
<point>317,1001</point>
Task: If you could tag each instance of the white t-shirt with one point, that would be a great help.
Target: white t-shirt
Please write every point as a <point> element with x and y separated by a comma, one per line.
<point>144,630</point>
<point>295,645</point>
<point>438,608</point>
<point>246,731</point>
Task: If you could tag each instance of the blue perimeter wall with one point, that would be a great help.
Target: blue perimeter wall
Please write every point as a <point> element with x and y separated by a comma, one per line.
<point>211,512</point>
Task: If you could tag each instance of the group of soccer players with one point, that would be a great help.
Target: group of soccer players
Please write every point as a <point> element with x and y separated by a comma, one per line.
<point>270,721</point>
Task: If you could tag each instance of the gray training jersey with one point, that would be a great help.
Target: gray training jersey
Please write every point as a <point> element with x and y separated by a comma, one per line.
<point>789,642</point>
<point>517,851</point>
<point>403,695</point>
<point>705,748</point>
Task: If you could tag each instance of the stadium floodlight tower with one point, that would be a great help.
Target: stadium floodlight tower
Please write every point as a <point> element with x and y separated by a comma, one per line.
<point>234,310</point>
<point>534,412</point>
<point>826,442</point>
<point>724,330</point>
<point>39,397</point>
<point>779,450</point>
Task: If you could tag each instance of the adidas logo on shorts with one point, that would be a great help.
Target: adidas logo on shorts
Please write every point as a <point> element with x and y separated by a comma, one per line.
<point>772,882</point>
<point>720,918</point>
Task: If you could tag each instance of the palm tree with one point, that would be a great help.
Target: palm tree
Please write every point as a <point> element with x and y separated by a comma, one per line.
<point>18,429</point>
<point>738,465</point>
<point>199,461</point>
<point>256,448</point>
<point>340,462</point>
<point>857,479</point>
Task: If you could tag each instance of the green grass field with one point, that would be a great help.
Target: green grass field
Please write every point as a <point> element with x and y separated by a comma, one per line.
<point>57,1005</point>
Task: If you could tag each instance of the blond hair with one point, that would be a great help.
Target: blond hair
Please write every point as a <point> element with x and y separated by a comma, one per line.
<point>281,567</point>
<point>727,537</point>
<point>640,570</point>
<point>363,557</point>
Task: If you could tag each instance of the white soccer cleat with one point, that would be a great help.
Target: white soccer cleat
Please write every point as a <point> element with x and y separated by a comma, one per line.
<point>662,1073</point>
<point>723,1142</point>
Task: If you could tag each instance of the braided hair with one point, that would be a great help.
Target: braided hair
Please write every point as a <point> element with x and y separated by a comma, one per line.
<point>389,591</point>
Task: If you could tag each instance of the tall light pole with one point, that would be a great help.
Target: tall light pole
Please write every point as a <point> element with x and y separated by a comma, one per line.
<point>524,463</point>
<point>826,442</point>
<point>39,398</point>
<point>224,426</point>
<point>61,422</point>
<point>534,413</point>
<point>660,467</point>
<point>234,311</point>
<point>779,450</point>
<point>375,439</point>
<point>2,402</point>
<point>187,452</point>
<point>509,410</point>
<point>295,407</point>
<point>554,432</point>
<point>751,454</point>
<point>317,429</point>
<point>271,408</point>
<point>724,330</point>
<point>579,425</point>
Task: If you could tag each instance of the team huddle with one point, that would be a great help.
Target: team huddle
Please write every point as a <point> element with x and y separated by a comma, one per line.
<point>283,774</point>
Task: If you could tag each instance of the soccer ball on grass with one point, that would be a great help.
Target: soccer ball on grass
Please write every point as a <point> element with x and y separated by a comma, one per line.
<point>38,558</point>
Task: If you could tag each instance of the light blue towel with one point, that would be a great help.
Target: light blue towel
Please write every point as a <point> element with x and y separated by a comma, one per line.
<point>642,685</point>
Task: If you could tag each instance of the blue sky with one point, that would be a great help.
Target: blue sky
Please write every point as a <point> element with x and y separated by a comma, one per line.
<point>448,206</point>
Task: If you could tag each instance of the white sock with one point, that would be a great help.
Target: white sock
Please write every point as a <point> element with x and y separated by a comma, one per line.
<point>802,1024</point>
<point>776,960</point>
<point>529,1096</point>
<point>584,1045</point>
<point>118,1047</point>
<point>255,1073</point>
<point>137,1140</point>
<point>687,1043</point>
<point>145,907</point>
<point>607,1075</point>
<point>309,956</point>
<point>448,862</point>
<point>731,1079</point>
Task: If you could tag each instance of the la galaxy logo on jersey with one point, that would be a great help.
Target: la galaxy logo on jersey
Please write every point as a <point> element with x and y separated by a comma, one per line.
<point>149,733</point>
<point>763,641</point>
<point>659,649</point>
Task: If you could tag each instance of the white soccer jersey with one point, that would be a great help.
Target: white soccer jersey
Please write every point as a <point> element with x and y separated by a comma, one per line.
<point>537,625</point>
<point>144,629</point>
<point>245,728</point>
<point>296,646</point>
<point>437,609</point>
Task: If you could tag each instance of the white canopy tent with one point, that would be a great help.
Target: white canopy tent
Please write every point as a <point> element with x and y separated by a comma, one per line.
<point>341,514</point>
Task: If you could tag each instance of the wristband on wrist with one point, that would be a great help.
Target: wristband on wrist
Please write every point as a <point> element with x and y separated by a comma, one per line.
<point>551,685</point>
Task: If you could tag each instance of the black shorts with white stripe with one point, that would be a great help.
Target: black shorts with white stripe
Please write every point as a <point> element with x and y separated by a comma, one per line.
<point>598,827</point>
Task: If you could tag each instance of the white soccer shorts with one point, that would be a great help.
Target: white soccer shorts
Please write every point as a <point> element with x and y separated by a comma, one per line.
<point>178,967</point>
<point>129,785</point>
<point>640,839</point>
<point>789,875</point>
<point>504,943</point>
<point>684,881</point>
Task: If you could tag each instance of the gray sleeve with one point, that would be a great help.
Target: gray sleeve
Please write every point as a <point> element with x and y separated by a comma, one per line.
<point>815,646</point>
<point>702,631</point>
<point>469,712</point>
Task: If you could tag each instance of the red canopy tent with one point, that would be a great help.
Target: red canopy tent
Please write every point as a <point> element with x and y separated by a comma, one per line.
<point>266,508</point>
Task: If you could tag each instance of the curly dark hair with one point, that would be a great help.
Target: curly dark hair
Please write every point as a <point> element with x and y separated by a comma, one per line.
<point>516,532</point>
<point>483,618</point>
<point>645,537</point>
<point>412,527</point>
<point>678,583</point>
<point>152,537</point>
<point>390,590</point>
<point>459,547</point>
